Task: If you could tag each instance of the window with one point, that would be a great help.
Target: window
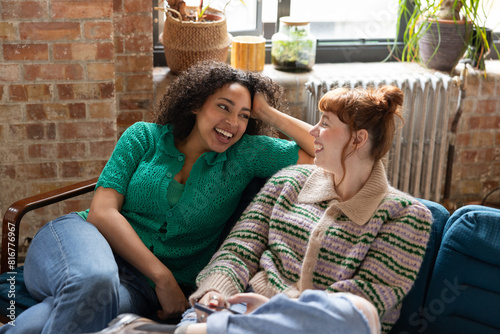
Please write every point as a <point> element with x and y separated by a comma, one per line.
<point>347,31</point>
<point>243,18</point>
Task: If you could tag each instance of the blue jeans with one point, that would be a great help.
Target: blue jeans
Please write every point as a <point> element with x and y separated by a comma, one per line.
<point>314,312</point>
<point>81,285</point>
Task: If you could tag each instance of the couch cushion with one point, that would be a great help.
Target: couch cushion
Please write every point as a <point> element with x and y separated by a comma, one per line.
<point>464,292</point>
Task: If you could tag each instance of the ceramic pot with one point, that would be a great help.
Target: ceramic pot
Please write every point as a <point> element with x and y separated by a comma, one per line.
<point>443,43</point>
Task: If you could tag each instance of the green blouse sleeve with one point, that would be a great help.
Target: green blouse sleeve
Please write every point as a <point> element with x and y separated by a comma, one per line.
<point>128,152</point>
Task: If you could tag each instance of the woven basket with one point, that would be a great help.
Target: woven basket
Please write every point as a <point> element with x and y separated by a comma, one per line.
<point>187,43</point>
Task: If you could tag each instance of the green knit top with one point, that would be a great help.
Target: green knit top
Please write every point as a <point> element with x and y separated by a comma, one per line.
<point>185,236</point>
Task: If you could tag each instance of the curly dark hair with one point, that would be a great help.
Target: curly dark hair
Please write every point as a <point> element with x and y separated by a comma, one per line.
<point>189,91</point>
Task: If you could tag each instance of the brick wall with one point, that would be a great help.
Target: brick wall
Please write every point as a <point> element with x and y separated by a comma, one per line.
<point>73,76</point>
<point>477,154</point>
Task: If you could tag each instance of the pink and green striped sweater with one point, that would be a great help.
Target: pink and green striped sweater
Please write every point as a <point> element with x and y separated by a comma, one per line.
<point>296,235</point>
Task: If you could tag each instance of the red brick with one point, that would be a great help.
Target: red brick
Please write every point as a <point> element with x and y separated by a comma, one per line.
<point>35,131</point>
<point>468,186</point>
<point>105,51</point>
<point>77,110</point>
<point>135,101</point>
<point>488,86</point>
<point>484,122</point>
<point>24,52</point>
<point>117,7</point>
<point>100,71</point>
<point>55,111</point>
<point>119,42</point>
<point>42,151</point>
<point>8,171</point>
<point>483,139</point>
<point>138,6</point>
<point>9,73</point>
<point>469,106</point>
<point>137,63</point>
<point>463,139</point>
<point>473,82</point>
<point>11,154</point>
<point>134,24</point>
<point>139,83</point>
<point>75,51</point>
<point>486,106</point>
<point>85,91</point>
<point>20,93</point>
<point>78,204</point>
<point>90,130</point>
<point>49,31</point>
<point>98,30</point>
<point>139,43</point>
<point>81,9</point>
<point>496,170</point>
<point>127,118</point>
<point>468,156</point>
<point>36,171</point>
<point>101,110</point>
<point>85,169</point>
<point>102,149</point>
<point>71,151</point>
<point>8,31</point>
<point>107,90</point>
<point>120,81</point>
<point>50,131</point>
<point>10,113</point>
<point>24,10</point>
<point>53,72</point>
<point>65,92</point>
<point>467,172</point>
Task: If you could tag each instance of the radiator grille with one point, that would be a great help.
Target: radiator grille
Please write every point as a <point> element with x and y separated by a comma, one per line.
<point>416,162</point>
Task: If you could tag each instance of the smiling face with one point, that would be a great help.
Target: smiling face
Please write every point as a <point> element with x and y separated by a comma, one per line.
<point>330,137</point>
<point>222,120</point>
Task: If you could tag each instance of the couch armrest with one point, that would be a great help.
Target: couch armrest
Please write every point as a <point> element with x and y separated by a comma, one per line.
<point>14,214</point>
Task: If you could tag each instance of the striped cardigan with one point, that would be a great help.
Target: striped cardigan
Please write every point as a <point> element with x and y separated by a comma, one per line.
<point>296,235</point>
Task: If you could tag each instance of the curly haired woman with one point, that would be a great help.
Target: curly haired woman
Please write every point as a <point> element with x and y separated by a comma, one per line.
<point>160,204</point>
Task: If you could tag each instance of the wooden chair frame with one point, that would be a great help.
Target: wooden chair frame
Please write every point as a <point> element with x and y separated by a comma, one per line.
<point>14,214</point>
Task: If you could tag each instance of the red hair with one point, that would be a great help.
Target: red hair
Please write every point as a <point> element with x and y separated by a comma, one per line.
<point>371,109</point>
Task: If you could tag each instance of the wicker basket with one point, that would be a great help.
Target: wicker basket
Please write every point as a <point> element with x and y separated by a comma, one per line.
<point>187,43</point>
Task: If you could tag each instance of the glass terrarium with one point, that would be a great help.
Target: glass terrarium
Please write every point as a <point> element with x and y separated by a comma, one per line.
<point>293,46</point>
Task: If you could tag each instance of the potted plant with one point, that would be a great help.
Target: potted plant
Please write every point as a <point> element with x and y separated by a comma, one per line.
<point>193,34</point>
<point>439,31</point>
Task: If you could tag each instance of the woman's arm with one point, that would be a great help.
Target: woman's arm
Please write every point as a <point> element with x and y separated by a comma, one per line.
<point>294,128</point>
<point>105,215</point>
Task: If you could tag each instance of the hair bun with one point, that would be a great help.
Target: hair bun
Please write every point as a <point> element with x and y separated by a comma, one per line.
<point>390,98</point>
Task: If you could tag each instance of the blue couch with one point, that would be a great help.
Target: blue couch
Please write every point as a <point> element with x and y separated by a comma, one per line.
<point>457,289</point>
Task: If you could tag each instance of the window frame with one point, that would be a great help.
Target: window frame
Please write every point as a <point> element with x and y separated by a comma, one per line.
<point>328,51</point>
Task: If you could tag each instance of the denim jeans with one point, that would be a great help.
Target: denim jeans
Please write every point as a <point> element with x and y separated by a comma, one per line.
<point>314,312</point>
<point>81,285</point>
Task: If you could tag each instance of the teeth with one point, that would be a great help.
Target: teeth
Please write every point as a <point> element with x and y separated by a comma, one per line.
<point>225,133</point>
<point>318,146</point>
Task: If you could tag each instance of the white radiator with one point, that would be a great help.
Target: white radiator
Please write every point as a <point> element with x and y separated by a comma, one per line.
<point>417,160</point>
